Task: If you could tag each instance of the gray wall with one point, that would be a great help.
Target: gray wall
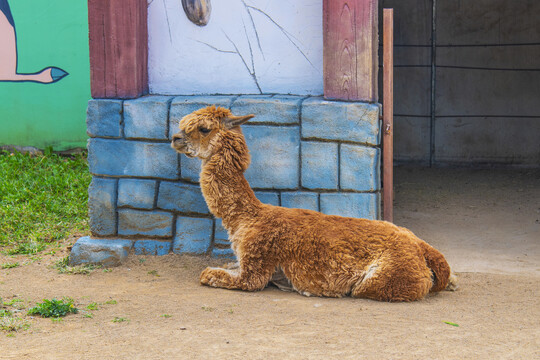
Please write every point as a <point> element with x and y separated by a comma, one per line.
<point>487,82</point>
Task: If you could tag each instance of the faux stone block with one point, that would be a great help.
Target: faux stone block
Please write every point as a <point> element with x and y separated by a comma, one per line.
<point>222,245</point>
<point>180,197</point>
<point>151,247</point>
<point>335,120</point>
<point>220,232</point>
<point>271,198</point>
<point>183,105</point>
<point>274,156</point>
<point>355,205</point>
<point>102,206</point>
<point>146,117</point>
<point>277,109</point>
<point>136,193</point>
<point>300,200</point>
<point>104,118</point>
<point>193,235</point>
<point>132,158</point>
<point>223,250</point>
<point>106,252</point>
<point>359,168</point>
<point>190,168</point>
<point>145,223</point>
<point>319,165</point>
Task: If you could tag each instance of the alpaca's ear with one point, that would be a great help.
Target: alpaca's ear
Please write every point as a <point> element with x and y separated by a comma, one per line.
<point>232,121</point>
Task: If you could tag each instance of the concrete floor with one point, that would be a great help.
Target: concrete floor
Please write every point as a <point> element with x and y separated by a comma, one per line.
<point>482,220</point>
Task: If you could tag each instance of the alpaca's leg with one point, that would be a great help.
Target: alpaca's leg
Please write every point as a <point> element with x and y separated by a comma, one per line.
<point>253,273</point>
<point>250,276</point>
<point>395,281</point>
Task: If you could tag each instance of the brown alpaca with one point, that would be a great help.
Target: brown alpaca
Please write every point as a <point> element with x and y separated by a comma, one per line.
<point>319,254</point>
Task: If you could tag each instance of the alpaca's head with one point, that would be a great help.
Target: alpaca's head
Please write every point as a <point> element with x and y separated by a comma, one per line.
<point>201,131</point>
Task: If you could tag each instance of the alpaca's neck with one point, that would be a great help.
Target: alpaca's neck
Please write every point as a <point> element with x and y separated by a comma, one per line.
<point>225,189</point>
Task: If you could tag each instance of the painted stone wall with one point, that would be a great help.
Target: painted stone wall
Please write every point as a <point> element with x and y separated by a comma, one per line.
<point>306,153</point>
<point>44,73</point>
<point>248,47</point>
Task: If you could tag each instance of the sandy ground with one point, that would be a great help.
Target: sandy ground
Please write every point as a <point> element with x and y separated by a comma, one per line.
<point>486,222</point>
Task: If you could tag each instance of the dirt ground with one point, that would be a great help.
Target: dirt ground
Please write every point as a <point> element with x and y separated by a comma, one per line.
<point>486,222</point>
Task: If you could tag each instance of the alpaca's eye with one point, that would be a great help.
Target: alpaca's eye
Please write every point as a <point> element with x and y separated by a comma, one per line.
<point>204,130</point>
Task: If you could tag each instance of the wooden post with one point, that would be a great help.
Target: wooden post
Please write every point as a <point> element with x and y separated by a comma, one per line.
<point>118,48</point>
<point>388,114</point>
<point>350,50</point>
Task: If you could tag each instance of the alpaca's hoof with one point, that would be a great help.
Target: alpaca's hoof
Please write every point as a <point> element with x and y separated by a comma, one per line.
<point>207,278</point>
<point>452,283</point>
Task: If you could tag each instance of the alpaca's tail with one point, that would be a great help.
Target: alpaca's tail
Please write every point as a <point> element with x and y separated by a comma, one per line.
<point>443,278</point>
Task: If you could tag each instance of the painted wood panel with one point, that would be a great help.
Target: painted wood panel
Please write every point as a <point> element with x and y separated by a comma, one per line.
<point>118,48</point>
<point>350,49</point>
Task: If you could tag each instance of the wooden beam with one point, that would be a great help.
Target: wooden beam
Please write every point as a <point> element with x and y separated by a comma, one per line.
<point>118,40</point>
<point>350,62</point>
<point>388,114</point>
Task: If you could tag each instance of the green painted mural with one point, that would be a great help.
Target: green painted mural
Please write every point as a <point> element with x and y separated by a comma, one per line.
<point>44,73</point>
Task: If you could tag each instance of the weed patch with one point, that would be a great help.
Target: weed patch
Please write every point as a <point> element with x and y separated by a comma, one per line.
<point>13,324</point>
<point>63,267</point>
<point>92,306</point>
<point>54,308</point>
<point>9,265</point>
<point>119,319</point>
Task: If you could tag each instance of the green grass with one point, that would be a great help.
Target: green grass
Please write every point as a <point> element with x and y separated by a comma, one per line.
<point>42,199</point>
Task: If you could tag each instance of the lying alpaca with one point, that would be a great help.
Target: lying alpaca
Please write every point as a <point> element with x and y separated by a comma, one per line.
<point>320,255</point>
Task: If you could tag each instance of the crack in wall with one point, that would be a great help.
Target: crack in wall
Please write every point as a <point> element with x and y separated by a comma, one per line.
<point>251,72</point>
<point>254,28</point>
<point>288,35</point>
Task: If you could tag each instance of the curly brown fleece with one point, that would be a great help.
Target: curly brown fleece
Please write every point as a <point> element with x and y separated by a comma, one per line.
<point>321,255</point>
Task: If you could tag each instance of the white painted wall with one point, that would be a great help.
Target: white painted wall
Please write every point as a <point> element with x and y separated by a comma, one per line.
<point>248,47</point>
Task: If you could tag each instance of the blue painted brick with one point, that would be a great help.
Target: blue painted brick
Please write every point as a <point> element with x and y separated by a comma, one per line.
<point>279,109</point>
<point>147,117</point>
<point>181,197</point>
<point>300,200</point>
<point>193,235</point>
<point>183,105</point>
<point>104,118</point>
<point>265,197</point>
<point>337,120</point>
<point>102,206</point>
<point>136,193</point>
<point>274,156</point>
<point>223,250</point>
<point>319,165</point>
<point>222,245</point>
<point>359,168</point>
<point>356,205</point>
<point>220,231</point>
<point>132,158</point>
<point>151,247</point>
<point>145,223</point>
<point>106,252</point>
<point>190,168</point>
